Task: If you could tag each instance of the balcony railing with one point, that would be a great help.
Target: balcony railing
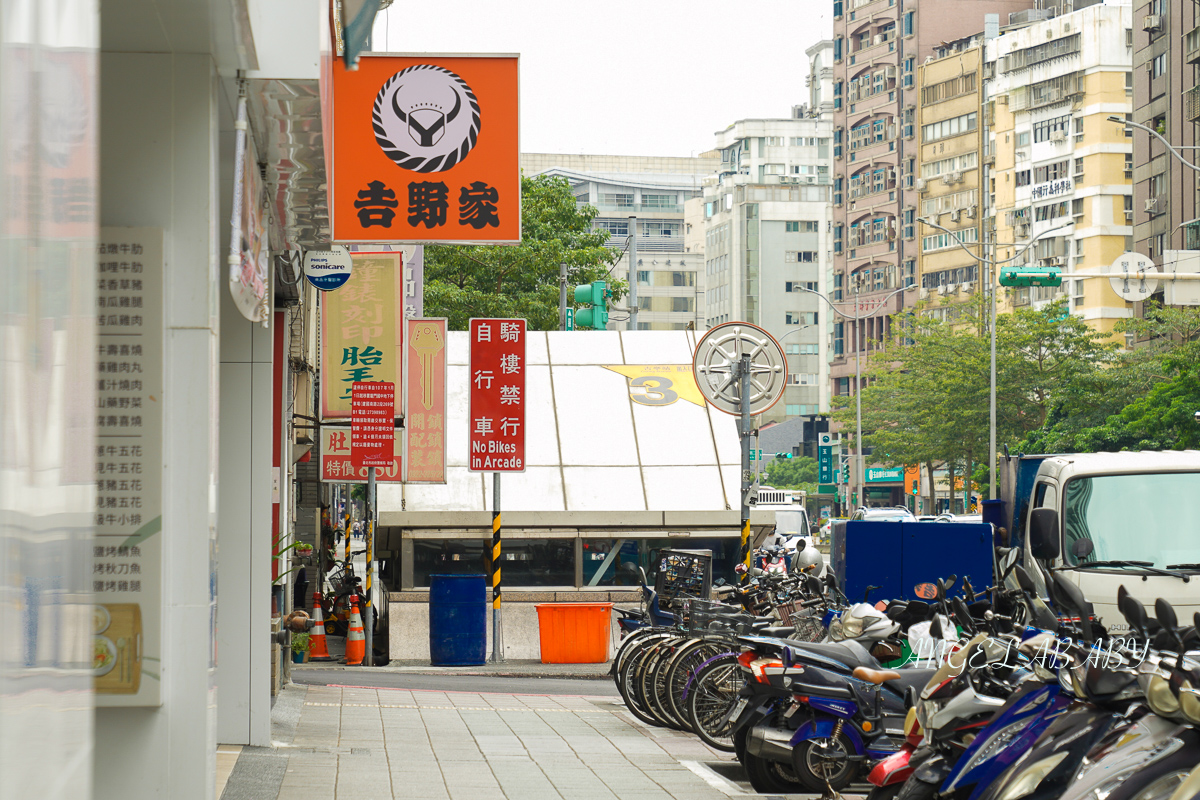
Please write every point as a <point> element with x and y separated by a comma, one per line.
<point>638,208</point>
<point>1191,104</point>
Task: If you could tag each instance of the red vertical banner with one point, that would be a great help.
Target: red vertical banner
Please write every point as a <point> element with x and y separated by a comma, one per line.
<point>425,400</point>
<point>496,422</point>
<point>372,424</point>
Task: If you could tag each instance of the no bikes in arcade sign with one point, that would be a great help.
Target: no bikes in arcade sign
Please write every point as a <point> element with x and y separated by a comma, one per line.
<point>425,148</point>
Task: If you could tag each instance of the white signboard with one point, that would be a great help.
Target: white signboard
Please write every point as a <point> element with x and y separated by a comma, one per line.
<point>1043,191</point>
<point>328,269</point>
<point>127,551</point>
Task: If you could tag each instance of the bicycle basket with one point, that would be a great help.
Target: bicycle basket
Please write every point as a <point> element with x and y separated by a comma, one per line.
<point>807,623</point>
<point>684,573</point>
<point>706,618</point>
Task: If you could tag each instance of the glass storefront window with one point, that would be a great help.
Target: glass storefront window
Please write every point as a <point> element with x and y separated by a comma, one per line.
<point>623,568</point>
<point>525,562</point>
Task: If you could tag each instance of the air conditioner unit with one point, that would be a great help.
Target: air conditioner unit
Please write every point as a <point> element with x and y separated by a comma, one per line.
<point>952,177</point>
<point>877,38</point>
<point>920,184</point>
<point>1002,99</point>
<point>811,179</point>
<point>1152,205</point>
<point>924,294</point>
<point>1129,216</point>
<point>1151,22</point>
<point>1058,136</point>
<point>889,72</point>
<point>942,289</point>
<point>952,288</point>
<point>955,215</point>
<point>971,212</point>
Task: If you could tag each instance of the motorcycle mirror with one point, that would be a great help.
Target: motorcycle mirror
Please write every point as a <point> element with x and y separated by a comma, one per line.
<point>1135,614</point>
<point>1023,579</point>
<point>964,615</point>
<point>935,627</point>
<point>968,590</point>
<point>1165,613</point>
<point>941,591</point>
<point>953,579</point>
<point>1070,596</point>
<point>832,581</point>
<point>1082,548</point>
<point>813,583</point>
<point>867,592</point>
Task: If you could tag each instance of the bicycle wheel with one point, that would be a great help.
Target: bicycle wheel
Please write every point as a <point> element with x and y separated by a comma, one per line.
<point>631,682</point>
<point>681,674</point>
<point>710,699</point>
<point>632,643</point>
<point>654,683</point>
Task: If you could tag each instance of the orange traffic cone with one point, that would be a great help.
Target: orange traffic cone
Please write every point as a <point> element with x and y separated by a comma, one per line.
<point>317,650</point>
<point>356,640</point>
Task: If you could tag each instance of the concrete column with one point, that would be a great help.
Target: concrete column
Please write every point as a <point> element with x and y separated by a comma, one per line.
<point>159,167</point>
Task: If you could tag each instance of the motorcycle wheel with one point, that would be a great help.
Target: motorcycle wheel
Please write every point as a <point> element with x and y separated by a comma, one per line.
<point>916,789</point>
<point>818,762</point>
<point>885,792</point>
<point>771,777</point>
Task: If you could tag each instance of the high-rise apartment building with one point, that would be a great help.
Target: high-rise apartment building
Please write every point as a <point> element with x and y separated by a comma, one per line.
<point>1060,164</point>
<point>766,221</point>
<point>949,183</point>
<point>648,192</point>
<point>1166,49</point>
<point>878,45</point>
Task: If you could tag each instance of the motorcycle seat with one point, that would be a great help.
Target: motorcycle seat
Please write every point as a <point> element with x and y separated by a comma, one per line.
<point>850,654</point>
<point>875,676</point>
<point>780,631</point>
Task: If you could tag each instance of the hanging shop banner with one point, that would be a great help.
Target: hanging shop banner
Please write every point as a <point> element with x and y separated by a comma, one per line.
<point>336,466</point>
<point>328,269</point>
<point>361,331</point>
<point>414,282</point>
<point>496,422</point>
<point>248,278</point>
<point>425,400</point>
<point>127,551</point>
<point>426,149</point>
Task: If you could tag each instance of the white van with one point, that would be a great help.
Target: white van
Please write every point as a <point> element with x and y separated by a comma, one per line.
<point>1129,518</point>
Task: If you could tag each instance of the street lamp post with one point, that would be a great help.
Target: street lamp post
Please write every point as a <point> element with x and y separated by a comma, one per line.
<point>991,264</point>
<point>860,477</point>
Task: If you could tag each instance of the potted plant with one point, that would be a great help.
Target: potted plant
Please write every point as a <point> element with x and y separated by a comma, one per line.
<point>300,645</point>
<point>304,549</point>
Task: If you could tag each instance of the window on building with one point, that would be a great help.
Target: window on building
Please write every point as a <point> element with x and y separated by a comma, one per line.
<point>1043,131</point>
<point>616,227</point>
<point>658,200</point>
<point>644,276</point>
<point>908,23</point>
<point>792,409</point>
<point>1022,177</point>
<point>1050,172</point>
<point>1158,66</point>
<point>622,200</point>
<point>802,379</point>
<point>801,317</point>
<point>682,303</point>
<point>1023,139</point>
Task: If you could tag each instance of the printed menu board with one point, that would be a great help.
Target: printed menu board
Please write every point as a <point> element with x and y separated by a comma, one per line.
<point>127,553</point>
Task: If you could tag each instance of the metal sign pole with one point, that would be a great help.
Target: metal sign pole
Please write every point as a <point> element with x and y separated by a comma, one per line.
<point>368,610</point>
<point>497,626</point>
<point>743,369</point>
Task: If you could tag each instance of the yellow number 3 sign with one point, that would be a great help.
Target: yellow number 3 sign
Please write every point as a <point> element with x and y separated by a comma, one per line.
<point>660,384</point>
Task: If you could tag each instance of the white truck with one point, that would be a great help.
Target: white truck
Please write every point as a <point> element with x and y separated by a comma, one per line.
<point>1107,519</point>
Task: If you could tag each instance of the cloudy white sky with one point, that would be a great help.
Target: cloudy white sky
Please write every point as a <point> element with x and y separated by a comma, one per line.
<point>627,77</point>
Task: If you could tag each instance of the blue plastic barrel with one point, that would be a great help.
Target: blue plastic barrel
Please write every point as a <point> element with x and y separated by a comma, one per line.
<point>457,620</point>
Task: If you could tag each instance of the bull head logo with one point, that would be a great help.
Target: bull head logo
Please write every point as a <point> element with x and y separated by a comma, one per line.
<point>426,121</point>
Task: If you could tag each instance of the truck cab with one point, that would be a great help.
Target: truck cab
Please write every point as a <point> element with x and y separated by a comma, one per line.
<point>1129,518</point>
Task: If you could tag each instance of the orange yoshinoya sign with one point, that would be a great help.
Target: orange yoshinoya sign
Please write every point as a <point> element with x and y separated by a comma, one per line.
<point>425,148</point>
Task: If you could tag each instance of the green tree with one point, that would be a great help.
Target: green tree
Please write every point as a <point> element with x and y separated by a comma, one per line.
<point>1147,400</point>
<point>792,473</point>
<point>521,281</point>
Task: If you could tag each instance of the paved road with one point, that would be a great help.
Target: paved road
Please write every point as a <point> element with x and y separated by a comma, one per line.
<point>455,683</point>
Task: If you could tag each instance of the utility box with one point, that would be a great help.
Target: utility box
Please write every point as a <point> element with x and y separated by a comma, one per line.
<point>897,556</point>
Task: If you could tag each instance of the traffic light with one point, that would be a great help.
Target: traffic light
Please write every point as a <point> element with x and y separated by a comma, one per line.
<point>596,296</point>
<point>783,455</point>
<point>1030,276</point>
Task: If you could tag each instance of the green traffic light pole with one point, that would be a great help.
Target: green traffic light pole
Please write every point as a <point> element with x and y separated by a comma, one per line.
<point>991,264</point>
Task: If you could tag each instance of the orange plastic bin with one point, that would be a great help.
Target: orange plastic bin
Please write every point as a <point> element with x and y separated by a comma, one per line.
<point>574,633</point>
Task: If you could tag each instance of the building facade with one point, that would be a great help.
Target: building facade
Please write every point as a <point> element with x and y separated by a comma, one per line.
<point>1060,164</point>
<point>766,220</point>
<point>878,45</point>
<point>1166,47</point>
<point>650,193</point>
<point>949,182</point>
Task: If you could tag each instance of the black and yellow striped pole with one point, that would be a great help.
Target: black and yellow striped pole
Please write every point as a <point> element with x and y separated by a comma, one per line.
<point>743,376</point>
<point>497,628</point>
